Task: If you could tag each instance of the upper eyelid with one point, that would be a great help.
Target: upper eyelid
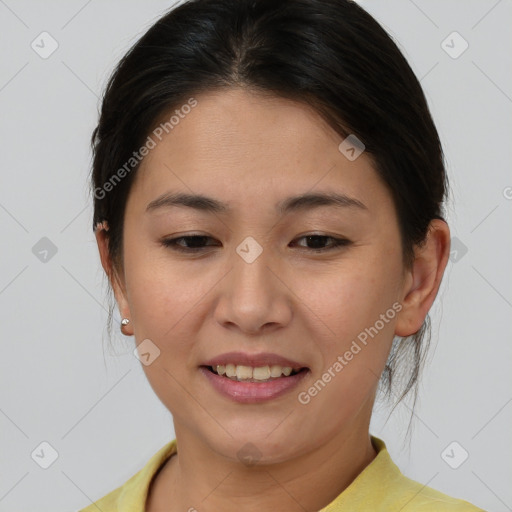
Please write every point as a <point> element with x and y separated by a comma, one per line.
<point>197,235</point>
<point>338,241</point>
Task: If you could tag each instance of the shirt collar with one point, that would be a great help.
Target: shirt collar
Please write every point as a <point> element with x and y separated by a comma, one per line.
<point>378,476</point>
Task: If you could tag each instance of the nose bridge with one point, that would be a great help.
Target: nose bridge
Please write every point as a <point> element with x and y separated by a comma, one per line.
<point>251,274</point>
<point>252,296</point>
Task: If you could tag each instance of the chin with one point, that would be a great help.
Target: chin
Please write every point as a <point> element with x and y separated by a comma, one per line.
<point>257,449</point>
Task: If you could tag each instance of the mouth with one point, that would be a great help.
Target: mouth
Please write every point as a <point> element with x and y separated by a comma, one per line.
<point>243,373</point>
<point>253,378</point>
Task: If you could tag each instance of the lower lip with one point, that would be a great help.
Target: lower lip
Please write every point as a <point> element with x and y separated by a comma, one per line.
<point>252,392</point>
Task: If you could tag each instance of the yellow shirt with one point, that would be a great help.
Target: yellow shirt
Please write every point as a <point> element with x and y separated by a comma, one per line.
<point>380,487</point>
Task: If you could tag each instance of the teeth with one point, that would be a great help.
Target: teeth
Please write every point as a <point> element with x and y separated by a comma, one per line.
<point>261,373</point>
<point>275,371</point>
<point>243,372</point>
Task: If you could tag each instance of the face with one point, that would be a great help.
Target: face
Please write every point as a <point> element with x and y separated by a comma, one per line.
<point>264,279</point>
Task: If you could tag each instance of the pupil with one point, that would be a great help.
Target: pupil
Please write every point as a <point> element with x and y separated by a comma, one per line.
<point>195,241</point>
<point>316,238</point>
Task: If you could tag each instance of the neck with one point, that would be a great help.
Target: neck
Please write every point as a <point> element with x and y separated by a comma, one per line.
<point>198,478</point>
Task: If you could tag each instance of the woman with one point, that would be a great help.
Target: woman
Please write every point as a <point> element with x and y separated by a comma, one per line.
<point>268,205</point>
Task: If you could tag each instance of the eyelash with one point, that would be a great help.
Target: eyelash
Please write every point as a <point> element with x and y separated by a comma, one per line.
<point>171,243</point>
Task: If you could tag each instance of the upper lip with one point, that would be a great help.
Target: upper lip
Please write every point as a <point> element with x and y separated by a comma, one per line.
<point>254,360</point>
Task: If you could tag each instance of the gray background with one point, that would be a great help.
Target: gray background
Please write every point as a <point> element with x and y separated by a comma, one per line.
<point>59,381</point>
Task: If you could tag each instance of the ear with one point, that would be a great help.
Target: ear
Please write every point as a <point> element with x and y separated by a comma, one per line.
<point>422,282</point>
<point>116,282</point>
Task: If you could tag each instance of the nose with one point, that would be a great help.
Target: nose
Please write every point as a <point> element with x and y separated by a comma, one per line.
<point>254,297</point>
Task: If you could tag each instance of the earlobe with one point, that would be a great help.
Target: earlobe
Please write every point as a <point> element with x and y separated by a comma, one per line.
<point>117,286</point>
<point>422,282</point>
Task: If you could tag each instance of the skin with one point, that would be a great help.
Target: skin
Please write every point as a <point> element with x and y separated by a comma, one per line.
<point>252,151</point>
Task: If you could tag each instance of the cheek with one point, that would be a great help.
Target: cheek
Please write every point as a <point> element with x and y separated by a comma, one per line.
<point>160,292</point>
<point>354,339</point>
<point>162,304</point>
<point>358,306</point>
<point>351,297</point>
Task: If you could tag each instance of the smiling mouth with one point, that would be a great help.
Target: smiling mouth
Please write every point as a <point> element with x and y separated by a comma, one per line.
<point>242,373</point>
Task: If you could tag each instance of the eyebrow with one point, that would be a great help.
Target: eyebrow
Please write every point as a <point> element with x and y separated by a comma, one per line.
<point>301,202</point>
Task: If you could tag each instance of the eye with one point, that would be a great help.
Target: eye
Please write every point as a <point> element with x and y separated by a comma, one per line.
<point>196,243</point>
<point>318,241</point>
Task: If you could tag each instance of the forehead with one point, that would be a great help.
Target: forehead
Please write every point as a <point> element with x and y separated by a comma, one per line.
<point>246,147</point>
<point>239,126</point>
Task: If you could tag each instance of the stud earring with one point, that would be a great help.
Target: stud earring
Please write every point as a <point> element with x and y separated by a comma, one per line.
<point>101,225</point>
<point>124,323</point>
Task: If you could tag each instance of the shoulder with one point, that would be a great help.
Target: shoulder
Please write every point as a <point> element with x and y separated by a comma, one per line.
<point>132,495</point>
<point>412,496</point>
<point>420,498</point>
<point>381,487</point>
<point>108,503</point>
